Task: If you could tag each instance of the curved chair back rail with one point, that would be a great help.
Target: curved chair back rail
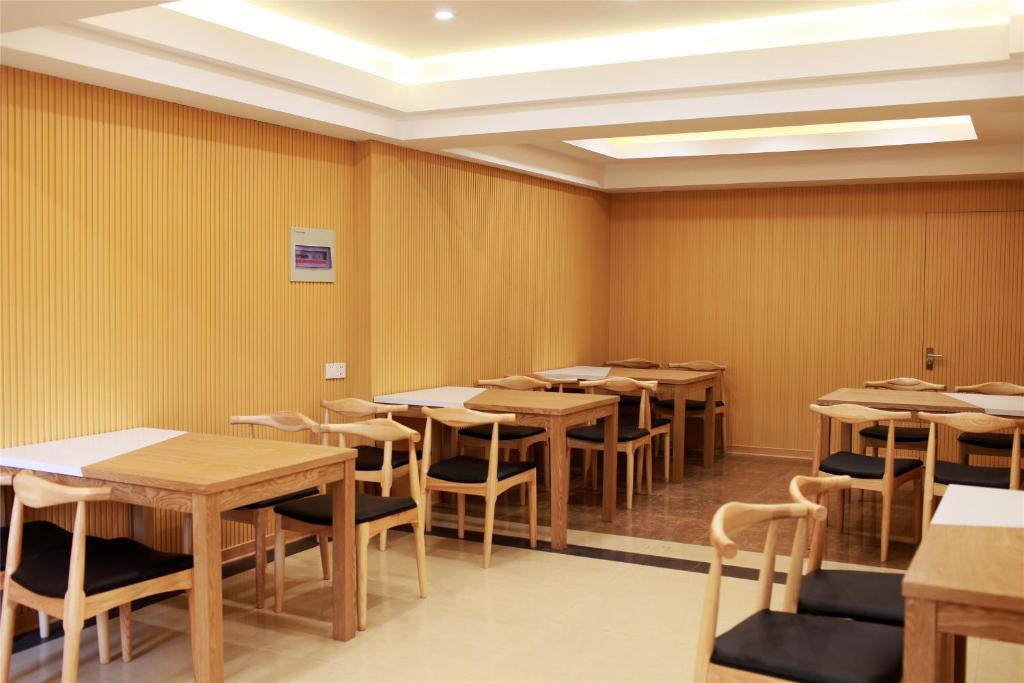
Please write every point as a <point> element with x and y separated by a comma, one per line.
<point>698,365</point>
<point>464,417</point>
<point>635,363</point>
<point>285,420</point>
<point>905,384</point>
<point>36,492</point>
<point>727,521</point>
<point>516,382</point>
<point>357,408</point>
<point>992,389</point>
<point>621,384</point>
<point>379,429</point>
<point>851,413</point>
<point>974,423</point>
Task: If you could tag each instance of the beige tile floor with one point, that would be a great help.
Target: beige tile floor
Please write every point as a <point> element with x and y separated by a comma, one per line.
<point>533,616</point>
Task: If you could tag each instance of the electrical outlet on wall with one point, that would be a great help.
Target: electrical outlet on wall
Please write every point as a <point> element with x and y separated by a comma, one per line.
<point>334,371</point>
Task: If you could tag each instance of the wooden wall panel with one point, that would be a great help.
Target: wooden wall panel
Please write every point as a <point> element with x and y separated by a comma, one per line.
<point>479,272</point>
<point>145,272</point>
<point>797,290</point>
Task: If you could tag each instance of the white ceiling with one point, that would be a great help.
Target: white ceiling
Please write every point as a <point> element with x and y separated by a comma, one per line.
<point>389,71</point>
<point>409,28</point>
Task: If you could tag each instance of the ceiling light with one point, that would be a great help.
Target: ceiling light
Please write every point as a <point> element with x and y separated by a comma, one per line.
<point>444,15</point>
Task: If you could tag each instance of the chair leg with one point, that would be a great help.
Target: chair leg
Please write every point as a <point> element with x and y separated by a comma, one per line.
<point>428,506</point>
<point>6,636</point>
<point>522,458</point>
<point>103,636</point>
<point>650,468</point>
<point>44,625</point>
<point>124,618</point>
<point>629,478</point>
<point>73,624</point>
<point>421,557</point>
<point>278,564</point>
<point>460,507</point>
<point>533,512</point>
<point>640,471</point>
<point>886,520</point>
<point>260,565</point>
<point>490,500</point>
<point>325,556</point>
<point>382,541</point>
<point>362,549</point>
<point>666,448</point>
<point>588,456</point>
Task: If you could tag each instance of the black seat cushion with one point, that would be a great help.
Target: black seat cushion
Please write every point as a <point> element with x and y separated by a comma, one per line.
<point>628,431</point>
<point>660,422</point>
<point>36,538</point>
<point>1000,441</point>
<point>464,469</point>
<point>972,475</point>
<point>317,509</point>
<point>864,596</point>
<point>901,434</point>
<point>864,466</point>
<point>505,432</point>
<point>371,458</point>
<point>628,401</point>
<point>806,647</point>
<point>670,404</point>
<point>109,564</point>
<point>271,502</point>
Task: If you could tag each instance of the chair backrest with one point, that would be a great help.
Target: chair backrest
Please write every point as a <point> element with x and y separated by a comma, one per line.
<point>851,413</point>
<point>36,492</point>
<point>810,492</point>
<point>285,420</point>
<point>459,418</point>
<point>516,382</point>
<point>992,389</point>
<point>698,365</point>
<point>625,385</point>
<point>728,520</point>
<point>636,363</point>
<point>974,423</point>
<point>560,383</point>
<point>904,384</point>
<point>387,431</point>
<point>356,409</point>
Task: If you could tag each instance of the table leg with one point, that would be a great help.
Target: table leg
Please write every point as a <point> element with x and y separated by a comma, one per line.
<point>678,433</point>
<point>845,437</point>
<point>709,425</point>
<point>611,464</point>
<point>921,641</point>
<point>559,486</point>
<point>207,597</point>
<point>343,588</point>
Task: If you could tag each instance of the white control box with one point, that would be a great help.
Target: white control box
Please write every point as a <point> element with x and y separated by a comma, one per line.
<point>334,371</point>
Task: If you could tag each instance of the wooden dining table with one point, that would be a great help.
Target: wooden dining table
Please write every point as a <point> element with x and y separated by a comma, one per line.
<point>204,475</point>
<point>966,579</point>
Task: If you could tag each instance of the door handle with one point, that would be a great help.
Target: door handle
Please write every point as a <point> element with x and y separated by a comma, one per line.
<point>929,358</point>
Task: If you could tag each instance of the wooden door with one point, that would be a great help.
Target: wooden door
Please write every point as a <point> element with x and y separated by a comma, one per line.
<point>974,300</point>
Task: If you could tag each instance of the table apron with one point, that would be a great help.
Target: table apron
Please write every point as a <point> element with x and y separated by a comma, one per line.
<point>980,622</point>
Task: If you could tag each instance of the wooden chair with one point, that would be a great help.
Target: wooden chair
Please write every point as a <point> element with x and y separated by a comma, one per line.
<point>517,438</point>
<point>992,443</point>
<point>695,407</point>
<point>84,579</point>
<point>38,537</point>
<point>783,645</point>
<point>374,514</point>
<point>907,438</point>
<point>868,473</point>
<point>635,440</point>
<point>260,514</point>
<point>843,593</point>
<point>465,475</point>
<point>373,463</point>
<point>938,474</point>
<point>635,363</point>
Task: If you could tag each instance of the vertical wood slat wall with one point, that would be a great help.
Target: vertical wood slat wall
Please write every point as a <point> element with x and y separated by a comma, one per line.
<point>800,291</point>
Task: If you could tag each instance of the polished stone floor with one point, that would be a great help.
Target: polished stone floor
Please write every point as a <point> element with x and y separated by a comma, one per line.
<point>623,604</point>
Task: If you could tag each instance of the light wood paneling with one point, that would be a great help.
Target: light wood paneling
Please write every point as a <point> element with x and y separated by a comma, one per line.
<point>798,291</point>
<point>145,272</point>
<point>479,272</point>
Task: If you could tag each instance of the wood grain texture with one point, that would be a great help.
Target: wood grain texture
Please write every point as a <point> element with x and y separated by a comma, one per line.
<point>480,272</point>
<point>803,290</point>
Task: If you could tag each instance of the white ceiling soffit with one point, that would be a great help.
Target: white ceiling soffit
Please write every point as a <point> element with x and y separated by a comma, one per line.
<point>515,105</point>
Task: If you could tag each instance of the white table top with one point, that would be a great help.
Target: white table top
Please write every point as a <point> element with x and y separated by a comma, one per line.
<point>979,506</point>
<point>1007,406</point>
<point>436,397</point>
<point>578,372</point>
<point>69,456</point>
